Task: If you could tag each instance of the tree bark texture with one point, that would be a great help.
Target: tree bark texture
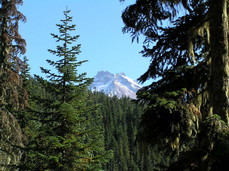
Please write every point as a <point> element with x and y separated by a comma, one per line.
<point>219,68</point>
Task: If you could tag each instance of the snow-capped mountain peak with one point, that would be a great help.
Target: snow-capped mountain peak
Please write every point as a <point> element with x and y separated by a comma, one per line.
<point>115,84</point>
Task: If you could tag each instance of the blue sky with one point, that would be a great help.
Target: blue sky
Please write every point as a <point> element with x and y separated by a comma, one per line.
<point>99,24</point>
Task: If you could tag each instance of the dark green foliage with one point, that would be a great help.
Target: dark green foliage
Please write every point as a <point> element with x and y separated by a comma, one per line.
<point>180,100</point>
<point>118,117</point>
<point>120,124</point>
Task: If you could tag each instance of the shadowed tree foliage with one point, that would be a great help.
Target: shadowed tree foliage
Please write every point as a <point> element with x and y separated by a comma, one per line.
<point>188,100</point>
<point>11,42</point>
<point>13,97</point>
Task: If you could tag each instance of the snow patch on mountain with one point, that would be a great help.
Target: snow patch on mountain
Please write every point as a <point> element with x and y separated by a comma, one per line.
<point>115,84</point>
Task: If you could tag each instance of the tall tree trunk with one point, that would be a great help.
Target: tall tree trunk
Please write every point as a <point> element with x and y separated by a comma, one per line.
<point>219,74</point>
<point>218,84</point>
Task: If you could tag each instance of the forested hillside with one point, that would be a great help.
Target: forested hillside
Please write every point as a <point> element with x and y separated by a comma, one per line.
<point>120,119</point>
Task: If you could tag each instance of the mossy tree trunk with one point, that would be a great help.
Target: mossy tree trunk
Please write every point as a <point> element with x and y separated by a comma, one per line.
<point>218,85</point>
<point>219,68</point>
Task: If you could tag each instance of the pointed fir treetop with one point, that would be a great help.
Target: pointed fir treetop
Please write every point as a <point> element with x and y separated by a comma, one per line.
<point>67,75</point>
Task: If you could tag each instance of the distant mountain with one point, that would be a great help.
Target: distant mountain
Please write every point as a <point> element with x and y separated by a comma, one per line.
<point>115,84</point>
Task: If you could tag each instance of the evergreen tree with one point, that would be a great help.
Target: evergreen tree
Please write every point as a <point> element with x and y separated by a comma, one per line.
<point>188,54</point>
<point>68,137</point>
<point>12,94</point>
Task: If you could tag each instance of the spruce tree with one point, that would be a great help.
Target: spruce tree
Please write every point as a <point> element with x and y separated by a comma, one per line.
<point>68,137</point>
